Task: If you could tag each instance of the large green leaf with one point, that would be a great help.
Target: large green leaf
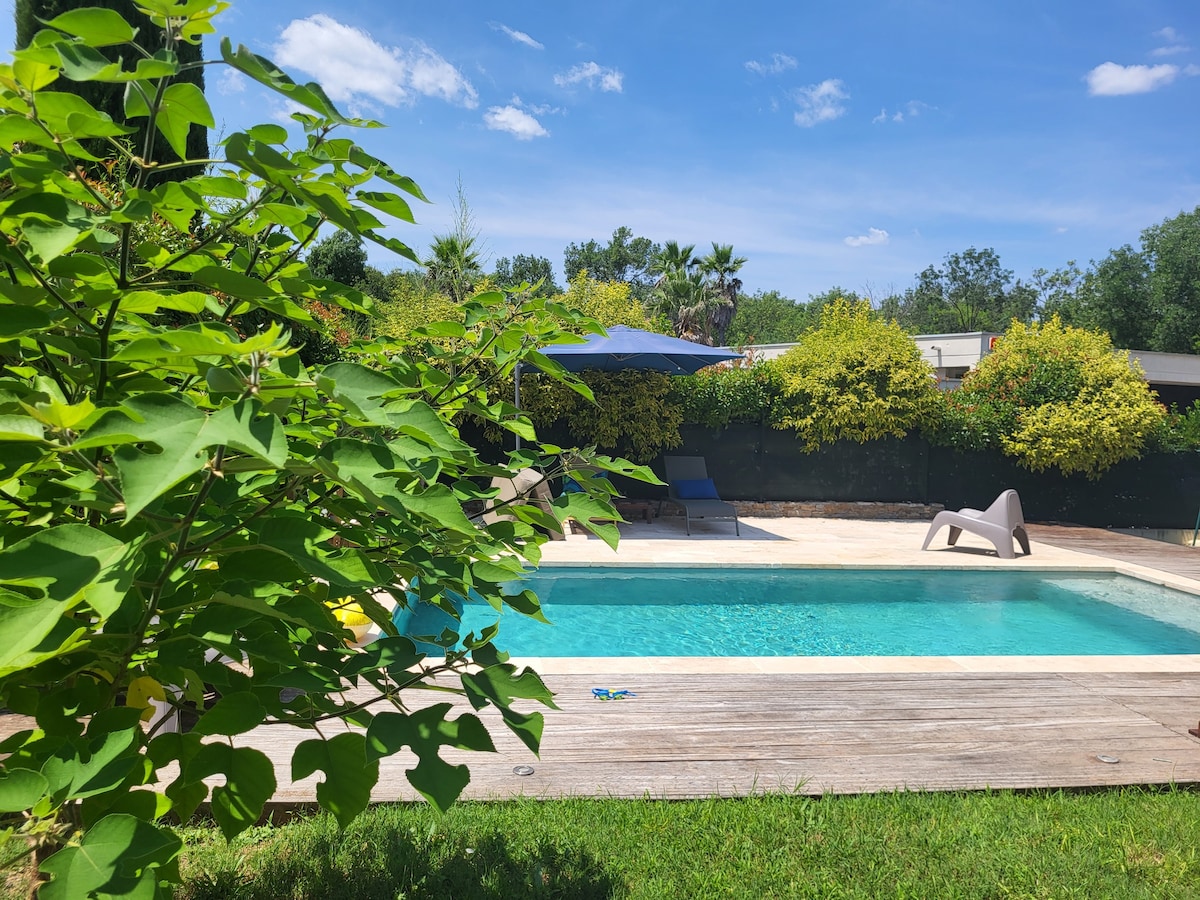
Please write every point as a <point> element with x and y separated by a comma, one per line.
<point>56,569</point>
<point>20,428</point>
<point>95,27</point>
<point>426,731</point>
<point>107,858</point>
<point>232,714</point>
<point>349,775</point>
<point>203,339</point>
<point>499,684</point>
<point>51,224</point>
<point>359,389</point>
<point>392,204</point>
<point>183,105</point>
<point>304,541</point>
<point>20,320</point>
<point>267,73</point>
<point>102,761</point>
<point>182,434</point>
<point>249,784</point>
<point>20,789</point>
<point>418,419</point>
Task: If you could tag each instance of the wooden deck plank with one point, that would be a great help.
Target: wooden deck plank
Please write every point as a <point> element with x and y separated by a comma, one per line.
<point>1173,558</point>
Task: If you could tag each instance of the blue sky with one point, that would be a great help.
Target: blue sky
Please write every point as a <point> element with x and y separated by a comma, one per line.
<point>831,144</point>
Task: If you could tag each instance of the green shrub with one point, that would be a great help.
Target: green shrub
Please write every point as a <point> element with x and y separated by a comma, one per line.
<point>633,415</point>
<point>718,397</point>
<point>853,377</point>
<point>1179,432</point>
<point>1054,396</point>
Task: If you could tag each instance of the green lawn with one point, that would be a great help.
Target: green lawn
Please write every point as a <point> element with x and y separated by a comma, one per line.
<point>1110,844</point>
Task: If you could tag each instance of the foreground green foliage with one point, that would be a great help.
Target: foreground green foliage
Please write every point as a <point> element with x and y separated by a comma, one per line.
<point>853,377</point>
<point>1054,396</point>
<point>181,497</point>
<point>1118,844</point>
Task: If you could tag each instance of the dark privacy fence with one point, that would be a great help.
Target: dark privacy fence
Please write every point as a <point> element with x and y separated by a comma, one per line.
<point>749,462</point>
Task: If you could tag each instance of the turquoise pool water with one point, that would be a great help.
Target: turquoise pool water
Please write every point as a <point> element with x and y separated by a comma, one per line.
<point>814,612</point>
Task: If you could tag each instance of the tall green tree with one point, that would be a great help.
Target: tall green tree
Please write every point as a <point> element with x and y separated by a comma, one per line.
<point>339,257</point>
<point>768,317</point>
<point>1172,251</point>
<point>534,270</point>
<point>1115,296</point>
<point>1147,297</point>
<point>109,97</point>
<point>673,259</point>
<point>454,265</point>
<point>624,258</point>
<point>971,291</point>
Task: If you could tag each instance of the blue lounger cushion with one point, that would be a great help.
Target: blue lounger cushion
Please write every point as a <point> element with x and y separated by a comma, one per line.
<point>696,489</point>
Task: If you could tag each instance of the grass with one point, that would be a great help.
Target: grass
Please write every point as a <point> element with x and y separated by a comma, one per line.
<point>1113,844</point>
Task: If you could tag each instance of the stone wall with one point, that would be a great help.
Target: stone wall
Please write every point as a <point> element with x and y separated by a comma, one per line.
<point>818,509</point>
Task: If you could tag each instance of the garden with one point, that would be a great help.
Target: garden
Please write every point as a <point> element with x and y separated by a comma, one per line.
<point>204,460</point>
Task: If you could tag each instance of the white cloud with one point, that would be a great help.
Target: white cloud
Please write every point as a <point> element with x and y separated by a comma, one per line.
<point>352,66</point>
<point>594,75</point>
<point>911,110</point>
<point>820,102</point>
<point>434,77</point>
<point>779,63</point>
<point>1174,43</point>
<point>521,37</point>
<point>1110,80</point>
<point>231,81</point>
<point>515,121</point>
<point>872,237</point>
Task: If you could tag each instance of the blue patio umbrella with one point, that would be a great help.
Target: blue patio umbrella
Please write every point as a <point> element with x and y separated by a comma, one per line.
<point>632,348</point>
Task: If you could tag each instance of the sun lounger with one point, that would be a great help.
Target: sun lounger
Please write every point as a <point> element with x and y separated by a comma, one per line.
<point>689,486</point>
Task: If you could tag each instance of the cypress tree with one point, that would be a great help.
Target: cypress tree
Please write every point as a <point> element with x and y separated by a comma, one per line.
<point>109,98</point>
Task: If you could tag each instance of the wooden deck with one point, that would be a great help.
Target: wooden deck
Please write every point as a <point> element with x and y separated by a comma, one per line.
<point>1173,558</point>
<point>701,736</point>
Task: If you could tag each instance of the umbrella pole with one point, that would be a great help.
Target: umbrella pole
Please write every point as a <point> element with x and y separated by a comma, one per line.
<point>517,395</point>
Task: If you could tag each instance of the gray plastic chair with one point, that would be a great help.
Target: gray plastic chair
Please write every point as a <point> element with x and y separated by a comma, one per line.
<point>685,473</point>
<point>999,523</point>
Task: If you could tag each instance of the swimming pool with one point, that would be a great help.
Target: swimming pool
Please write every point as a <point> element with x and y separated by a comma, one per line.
<point>622,611</point>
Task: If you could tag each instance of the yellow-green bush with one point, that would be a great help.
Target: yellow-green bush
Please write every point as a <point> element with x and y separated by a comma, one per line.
<point>853,377</point>
<point>412,305</point>
<point>1054,396</point>
<point>608,302</point>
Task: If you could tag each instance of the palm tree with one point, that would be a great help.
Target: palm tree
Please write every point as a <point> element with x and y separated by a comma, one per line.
<point>721,266</point>
<point>672,260</point>
<point>686,299</point>
<point>453,266</point>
